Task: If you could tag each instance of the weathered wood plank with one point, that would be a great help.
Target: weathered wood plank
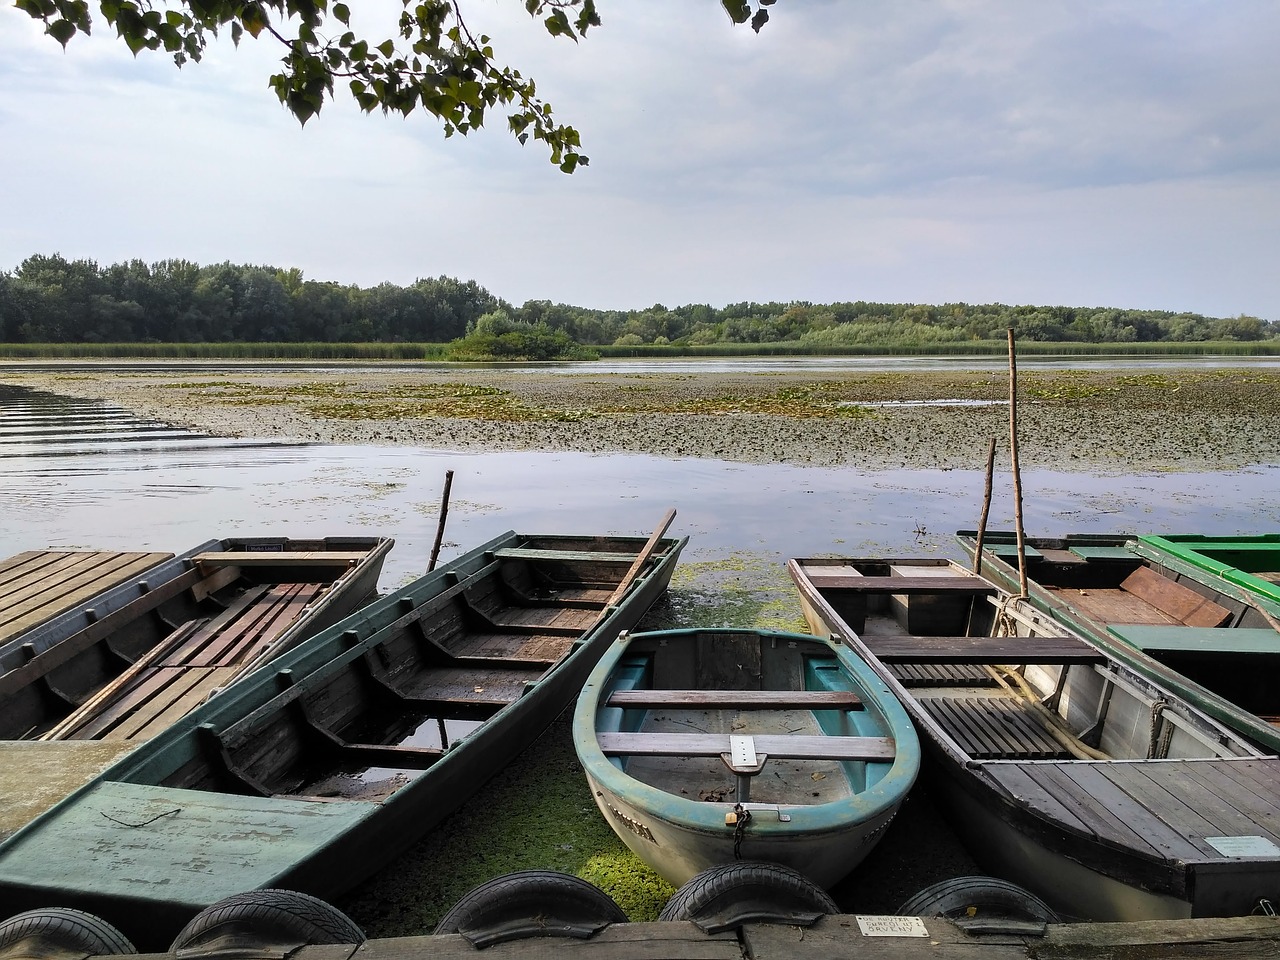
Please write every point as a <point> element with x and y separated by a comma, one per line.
<point>738,699</point>
<point>902,585</point>
<point>798,747</point>
<point>962,650</point>
<point>1178,601</point>
<point>274,558</point>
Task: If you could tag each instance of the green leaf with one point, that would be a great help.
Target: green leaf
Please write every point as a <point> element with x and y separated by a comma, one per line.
<point>739,10</point>
<point>341,13</point>
<point>62,31</point>
<point>386,48</point>
<point>760,19</point>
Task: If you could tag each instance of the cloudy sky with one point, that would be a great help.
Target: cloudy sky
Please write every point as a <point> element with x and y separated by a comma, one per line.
<point>1089,153</point>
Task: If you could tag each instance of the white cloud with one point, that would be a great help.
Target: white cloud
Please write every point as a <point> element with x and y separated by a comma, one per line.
<point>1118,152</point>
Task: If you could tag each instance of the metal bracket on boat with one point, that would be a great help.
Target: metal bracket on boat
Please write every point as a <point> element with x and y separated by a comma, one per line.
<point>755,809</point>
<point>743,760</point>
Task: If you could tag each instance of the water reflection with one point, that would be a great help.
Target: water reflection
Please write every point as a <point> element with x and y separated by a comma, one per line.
<point>40,424</point>
<point>125,494</point>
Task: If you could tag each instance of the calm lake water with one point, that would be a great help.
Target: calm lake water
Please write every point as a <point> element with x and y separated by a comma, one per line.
<point>86,474</point>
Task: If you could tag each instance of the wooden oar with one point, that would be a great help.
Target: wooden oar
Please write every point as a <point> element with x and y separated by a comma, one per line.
<point>641,559</point>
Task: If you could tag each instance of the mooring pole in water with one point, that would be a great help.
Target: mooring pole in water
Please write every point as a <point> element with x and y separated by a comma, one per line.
<point>986,507</point>
<point>444,515</point>
<point>1017,473</point>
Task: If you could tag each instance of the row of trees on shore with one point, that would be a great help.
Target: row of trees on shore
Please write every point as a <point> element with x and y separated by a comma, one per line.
<point>49,299</point>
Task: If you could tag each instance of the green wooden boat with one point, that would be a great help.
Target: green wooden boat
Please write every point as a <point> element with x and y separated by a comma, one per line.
<point>320,768</point>
<point>1213,641</point>
<point>703,746</point>
<point>1252,562</point>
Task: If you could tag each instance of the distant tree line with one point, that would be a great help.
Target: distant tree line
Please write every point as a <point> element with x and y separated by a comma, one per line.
<point>49,299</point>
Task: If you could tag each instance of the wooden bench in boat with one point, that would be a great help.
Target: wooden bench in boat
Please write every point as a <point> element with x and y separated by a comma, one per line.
<point>1210,641</point>
<point>738,699</point>
<point>957,584</point>
<point>991,728</point>
<point>794,747</point>
<point>978,650</point>
<point>1147,597</point>
<point>589,556</point>
<point>276,558</point>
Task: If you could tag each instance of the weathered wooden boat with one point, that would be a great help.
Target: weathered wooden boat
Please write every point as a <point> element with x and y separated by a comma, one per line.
<point>83,662</point>
<point>311,773</point>
<point>706,746</point>
<point>1064,770</point>
<point>1252,562</point>
<point>1212,641</point>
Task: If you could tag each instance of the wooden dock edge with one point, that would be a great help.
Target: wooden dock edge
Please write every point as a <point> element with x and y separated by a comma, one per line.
<point>838,938</point>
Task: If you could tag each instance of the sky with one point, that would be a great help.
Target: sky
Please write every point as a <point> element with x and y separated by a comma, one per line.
<point>1117,153</point>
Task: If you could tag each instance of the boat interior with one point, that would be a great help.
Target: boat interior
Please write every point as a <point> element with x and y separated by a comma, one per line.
<point>1003,682</point>
<point>1212,638</point>
<point>725,716</point>
<point>185,630</point>
<point>381,708</point>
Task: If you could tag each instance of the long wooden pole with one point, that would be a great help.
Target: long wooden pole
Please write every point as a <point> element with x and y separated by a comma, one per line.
<point>1017,472</point>
<point>641,558</point>
<point>444,515</point>
<point>986,507</point>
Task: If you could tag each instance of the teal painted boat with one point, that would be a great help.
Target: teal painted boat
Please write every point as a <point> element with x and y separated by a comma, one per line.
<point>1063,770</point>
<point>320,768</point>
<point>1211,640</point>
<point>1252,562</point>
<point>704,746</point>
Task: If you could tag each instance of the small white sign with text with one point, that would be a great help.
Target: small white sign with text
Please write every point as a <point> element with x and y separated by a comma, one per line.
<point>892,927</point>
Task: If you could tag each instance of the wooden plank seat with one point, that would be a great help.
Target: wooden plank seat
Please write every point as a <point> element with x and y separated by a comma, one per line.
<point>958,584</point>
<point>795,747</point>
<point>1210,641</point>
<point>995,728</point>
<point>979,650</point>
<point>586,556</point>
<point>738,699</point>
<point>1174,600</point>
<point>273,558</point>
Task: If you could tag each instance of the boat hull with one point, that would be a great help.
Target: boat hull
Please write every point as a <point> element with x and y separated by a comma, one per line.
<point>814,808</point>
<point>1061,768</point>
<point>231,797</point>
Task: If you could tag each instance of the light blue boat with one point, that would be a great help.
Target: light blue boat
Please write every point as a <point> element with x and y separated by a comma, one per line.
<point>704,746</point>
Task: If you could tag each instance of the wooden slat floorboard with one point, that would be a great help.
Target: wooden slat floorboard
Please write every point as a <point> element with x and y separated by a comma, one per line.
<point>1087,807</point>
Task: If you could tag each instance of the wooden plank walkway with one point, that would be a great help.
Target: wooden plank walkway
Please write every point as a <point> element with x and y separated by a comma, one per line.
<point>38,585</point>
<point>840,937</point>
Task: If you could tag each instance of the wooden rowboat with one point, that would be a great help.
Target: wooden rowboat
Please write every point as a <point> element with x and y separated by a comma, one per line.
<point>706,746</point>
<point>1213,641</point>
<point>1064,770</point>
<point>81,661</point>
<point>318,769</point>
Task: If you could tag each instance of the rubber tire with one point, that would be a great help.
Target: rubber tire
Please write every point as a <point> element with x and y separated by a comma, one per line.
<point>531,903</point>
<point>730,894</point>
<point>54,930</point>
<point>961,898</point>
<point>269,916</point>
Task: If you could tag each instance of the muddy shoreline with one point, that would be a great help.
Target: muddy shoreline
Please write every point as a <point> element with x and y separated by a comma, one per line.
<point>1113,421</point>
